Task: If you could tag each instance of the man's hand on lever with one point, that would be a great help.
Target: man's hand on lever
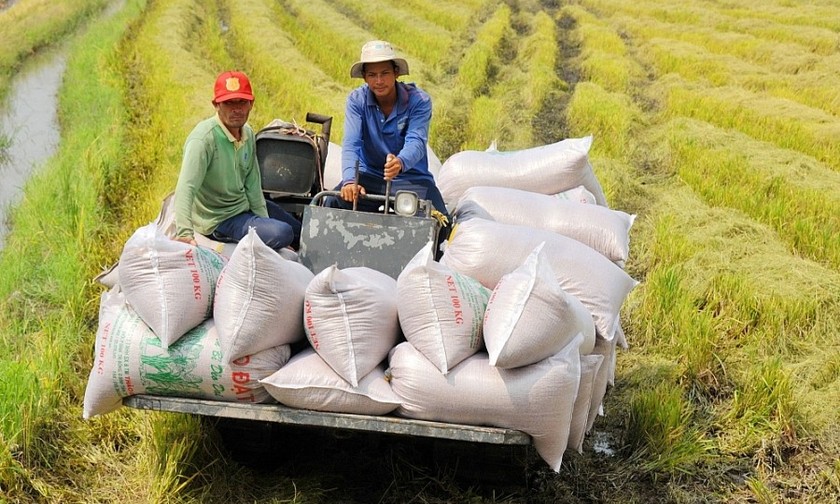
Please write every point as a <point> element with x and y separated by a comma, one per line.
<point>393,166</point>
<point>351,191</point>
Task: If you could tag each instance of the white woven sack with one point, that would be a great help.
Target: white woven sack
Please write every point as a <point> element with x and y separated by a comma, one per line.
<point>589,365</point>
<point>536,399</point>
<point>350,318</point>
<point>441,311</point>
<point>434,162</point>
<point>224,249</point>
<point>110,276</point>
<point>332,166</point>
<point>530,317</point>
<point>603,229</point>
<point>307,382</point>
<point>129,359</point>
<point>579,194</point>
<point>620,338</point>
<point>165,222</point>
<point>259,299</point>
<point>487,250</point>
<point>602,379</point>
<point>547,169</point>
<point>170,284</point>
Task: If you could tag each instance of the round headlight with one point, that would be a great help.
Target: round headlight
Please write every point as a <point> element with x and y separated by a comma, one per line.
<point>406,203</point>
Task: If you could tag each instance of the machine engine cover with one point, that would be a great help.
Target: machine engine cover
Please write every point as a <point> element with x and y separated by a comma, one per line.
<point>346,238</point>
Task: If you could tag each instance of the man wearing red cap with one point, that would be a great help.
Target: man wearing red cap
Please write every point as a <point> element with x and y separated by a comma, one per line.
<point>219,191</point>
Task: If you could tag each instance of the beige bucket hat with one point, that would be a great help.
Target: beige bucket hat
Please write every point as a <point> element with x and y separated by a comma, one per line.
<point>377,51</point>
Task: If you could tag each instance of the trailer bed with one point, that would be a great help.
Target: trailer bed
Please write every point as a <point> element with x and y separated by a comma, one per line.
<point>278,413</point>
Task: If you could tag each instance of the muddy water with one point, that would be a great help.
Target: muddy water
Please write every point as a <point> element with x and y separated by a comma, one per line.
<point>29,121</point>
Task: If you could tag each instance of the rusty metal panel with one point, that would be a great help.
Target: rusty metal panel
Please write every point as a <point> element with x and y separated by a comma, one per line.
<point>346,238</point>
<point>283,414</point>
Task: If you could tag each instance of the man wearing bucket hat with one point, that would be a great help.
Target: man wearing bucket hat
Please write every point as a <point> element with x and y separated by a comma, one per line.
<point>219,190</point>
<point>386,129</point>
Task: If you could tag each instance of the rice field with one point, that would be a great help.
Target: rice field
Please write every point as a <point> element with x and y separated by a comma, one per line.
<point>716,123</point>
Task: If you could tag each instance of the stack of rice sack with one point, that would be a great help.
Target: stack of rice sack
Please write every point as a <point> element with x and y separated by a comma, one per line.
<point>519,356</point>
<point>547,169</point>
<point>492,356</point>
<point>527,228</point>
<point>187,321</point>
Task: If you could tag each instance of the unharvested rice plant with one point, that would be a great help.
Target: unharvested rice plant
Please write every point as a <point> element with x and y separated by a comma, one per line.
<point>714,122</point>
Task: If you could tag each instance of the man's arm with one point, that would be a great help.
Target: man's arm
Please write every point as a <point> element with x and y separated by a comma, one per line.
<point>253,180</point>
<point>193,169</point>
<point>417,135</point>
<point>351,146</point>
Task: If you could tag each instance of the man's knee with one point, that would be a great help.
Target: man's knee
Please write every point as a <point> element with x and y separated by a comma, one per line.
<point>275,233</point>
<point>332,202</point>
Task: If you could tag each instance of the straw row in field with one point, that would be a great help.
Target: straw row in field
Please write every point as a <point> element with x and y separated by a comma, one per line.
<point>518,87</point>
<point>788,192</point>
<point>602,103</point>
<point>613,115</point>
<point>419,39</point>
<point>538,58</point>
<point>815,28</point>
<point>820,13</point>
<point>782,122</point>
<point>326,37</point>
<point>475,67</point>
<point>455,97</point>
<point>604,56</point>
<point>454,17</point>
<point>785,58</point>
<point>814,88</point>
<point>798,72</point>
<point>291,84</point>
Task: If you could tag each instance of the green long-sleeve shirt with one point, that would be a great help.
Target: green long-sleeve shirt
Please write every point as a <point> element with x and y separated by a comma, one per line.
<point>219,178</point>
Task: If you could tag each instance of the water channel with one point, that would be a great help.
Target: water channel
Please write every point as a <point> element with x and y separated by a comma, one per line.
<point>29,129</point>
<point>29,125</point>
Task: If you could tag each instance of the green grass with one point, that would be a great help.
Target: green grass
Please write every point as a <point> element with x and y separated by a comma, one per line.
<point>419,39</point>
<point>661,434</point>
<point>34,24</point>
<point>764,410</point>
<point>48,301</point>
<point>324,36</point>
<point>476,65</point>
<point>731,170</point>
<point>5,143</point>
<point>714,122</point>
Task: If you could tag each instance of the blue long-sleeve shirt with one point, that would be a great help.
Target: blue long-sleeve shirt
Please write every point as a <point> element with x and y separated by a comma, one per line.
<point>369,136</point>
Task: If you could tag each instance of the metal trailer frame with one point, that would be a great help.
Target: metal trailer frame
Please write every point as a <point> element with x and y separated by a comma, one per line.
<point>277,413</point>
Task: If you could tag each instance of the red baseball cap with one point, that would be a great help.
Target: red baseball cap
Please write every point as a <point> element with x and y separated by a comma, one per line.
<point>231,85</point>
